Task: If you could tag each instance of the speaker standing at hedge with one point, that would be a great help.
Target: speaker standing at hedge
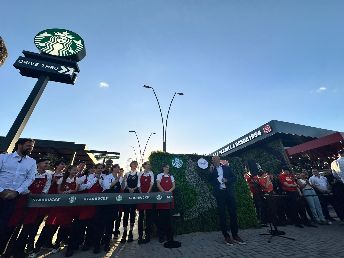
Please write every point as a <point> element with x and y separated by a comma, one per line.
<point>223,179</point>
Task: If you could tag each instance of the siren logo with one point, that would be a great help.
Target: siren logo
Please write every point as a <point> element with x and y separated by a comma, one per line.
<point>119,198</point>
<point>158,197</point>
<point>267,129</point>
<point>59,42</point>
<point>177,163</point>
<point>72,199</point>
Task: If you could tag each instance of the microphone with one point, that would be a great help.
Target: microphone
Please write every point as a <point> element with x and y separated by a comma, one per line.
<point>21,158</point>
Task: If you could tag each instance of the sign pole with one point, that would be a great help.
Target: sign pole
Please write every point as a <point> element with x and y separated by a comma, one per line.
<point>61,49</point>
<point>18,126</point>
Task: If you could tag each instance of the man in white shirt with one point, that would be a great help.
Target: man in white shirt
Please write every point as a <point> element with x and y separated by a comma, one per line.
<point>322,187</point>
<point>337,166</point>
<point>17,172</point>
<point>34,216</point>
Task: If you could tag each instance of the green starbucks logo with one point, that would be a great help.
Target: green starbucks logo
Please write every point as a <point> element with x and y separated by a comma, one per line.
<point>119,198</point>
<point>62,43</point>
<point>72,199</point>
<point>177,163</point>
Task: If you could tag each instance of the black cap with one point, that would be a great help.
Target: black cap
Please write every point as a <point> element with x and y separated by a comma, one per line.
<point>42,160</point>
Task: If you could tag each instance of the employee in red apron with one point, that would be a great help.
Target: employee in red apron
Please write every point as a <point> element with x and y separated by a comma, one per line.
<point>131,180</point>
<point>34,216</point>
<point>82,231</point>
<point>63,216</point>
<point>145,184</point>
<point>48,231</point>
<point>165,183</point>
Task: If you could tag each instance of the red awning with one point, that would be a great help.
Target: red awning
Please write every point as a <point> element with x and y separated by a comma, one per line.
<point>315,144</point>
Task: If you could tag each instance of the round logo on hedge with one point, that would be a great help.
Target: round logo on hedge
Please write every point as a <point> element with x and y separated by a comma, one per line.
<point>202,163</point>
<point>177,163</point>
<point>62,43</point>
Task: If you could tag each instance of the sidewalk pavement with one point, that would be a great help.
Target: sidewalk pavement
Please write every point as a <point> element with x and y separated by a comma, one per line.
<point>324,241</point>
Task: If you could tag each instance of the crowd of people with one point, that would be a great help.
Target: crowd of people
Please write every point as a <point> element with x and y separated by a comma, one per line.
<point>302,198</point>
<point>83,227</point>
<point>289,198</point>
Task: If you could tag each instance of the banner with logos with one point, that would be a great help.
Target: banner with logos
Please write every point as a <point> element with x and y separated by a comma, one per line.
<point>54,200</point>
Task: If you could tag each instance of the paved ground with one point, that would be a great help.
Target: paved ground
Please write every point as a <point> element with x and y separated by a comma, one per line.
<point>324,241</point>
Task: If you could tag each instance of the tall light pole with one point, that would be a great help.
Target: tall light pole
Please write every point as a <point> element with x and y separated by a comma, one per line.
<point>164,125</point>
<point>138,142</point>
<point>134,151</point>
<point>142,154</point>
<point>144,150</point>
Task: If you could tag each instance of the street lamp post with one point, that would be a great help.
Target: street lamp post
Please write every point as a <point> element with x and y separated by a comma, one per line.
<point>134,151</point>
<point>142,154</point>
<point>164,125</point>
<point>138,141</point>
<point>144,150</point>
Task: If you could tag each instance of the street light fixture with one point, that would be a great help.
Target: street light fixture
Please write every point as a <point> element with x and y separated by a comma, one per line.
<point>134,151</point>
<point>138,141</point>
<point>144,151</point>
<point>142,154</point>
<point>164,125</point>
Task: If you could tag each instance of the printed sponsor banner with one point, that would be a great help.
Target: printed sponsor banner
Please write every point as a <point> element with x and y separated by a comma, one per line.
<point>54,200</point>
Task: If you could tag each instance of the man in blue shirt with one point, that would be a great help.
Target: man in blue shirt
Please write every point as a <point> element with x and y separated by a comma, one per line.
<point>17,172</point>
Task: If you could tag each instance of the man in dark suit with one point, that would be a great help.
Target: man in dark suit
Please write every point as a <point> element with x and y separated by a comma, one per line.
<point>223,181</point>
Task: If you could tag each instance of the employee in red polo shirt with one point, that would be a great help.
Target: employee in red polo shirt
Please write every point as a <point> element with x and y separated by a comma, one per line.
<point>255,189</point>
<point>289,186</point>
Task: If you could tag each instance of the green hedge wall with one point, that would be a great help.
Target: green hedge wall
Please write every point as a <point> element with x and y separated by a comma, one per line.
<point>193,194</point>
<point>269,156</point>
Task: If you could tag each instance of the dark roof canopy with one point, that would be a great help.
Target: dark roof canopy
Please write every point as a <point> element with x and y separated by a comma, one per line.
<point>334,140</point>
<point>292,134</point>
<point>69,151</point>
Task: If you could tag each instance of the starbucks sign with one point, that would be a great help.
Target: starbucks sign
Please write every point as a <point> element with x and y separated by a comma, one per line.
<point>62,43</point>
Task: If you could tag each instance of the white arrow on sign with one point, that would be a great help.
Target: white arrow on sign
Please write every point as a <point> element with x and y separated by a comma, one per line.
<point>66,70</point>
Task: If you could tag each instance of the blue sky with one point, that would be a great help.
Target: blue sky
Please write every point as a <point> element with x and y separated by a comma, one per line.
<point>239,64</point>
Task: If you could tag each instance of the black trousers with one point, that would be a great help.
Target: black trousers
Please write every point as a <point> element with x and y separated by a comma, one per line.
<point>26,238</point>
<point>129,209</point>
<point>63,235</point>
<point>270,207</point>
<point>118,221</point>
<point>165,224</point>
<point>296,210</point>
<point>46,237</point>
<point>338,199</point>
<point>145,219</point>
<point>103,224</point>
<point>8,242</point>
<point>226,201</point>
<point>6,211</point>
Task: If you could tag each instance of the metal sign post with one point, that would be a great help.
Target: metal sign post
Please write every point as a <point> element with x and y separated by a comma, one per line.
<point>60,51</point>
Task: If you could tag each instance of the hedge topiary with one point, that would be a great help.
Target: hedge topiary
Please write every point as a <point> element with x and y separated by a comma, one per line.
<point>193,194</point>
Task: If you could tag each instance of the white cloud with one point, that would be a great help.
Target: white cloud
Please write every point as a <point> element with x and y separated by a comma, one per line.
<point>104,85</point>
<point>321,89</point>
